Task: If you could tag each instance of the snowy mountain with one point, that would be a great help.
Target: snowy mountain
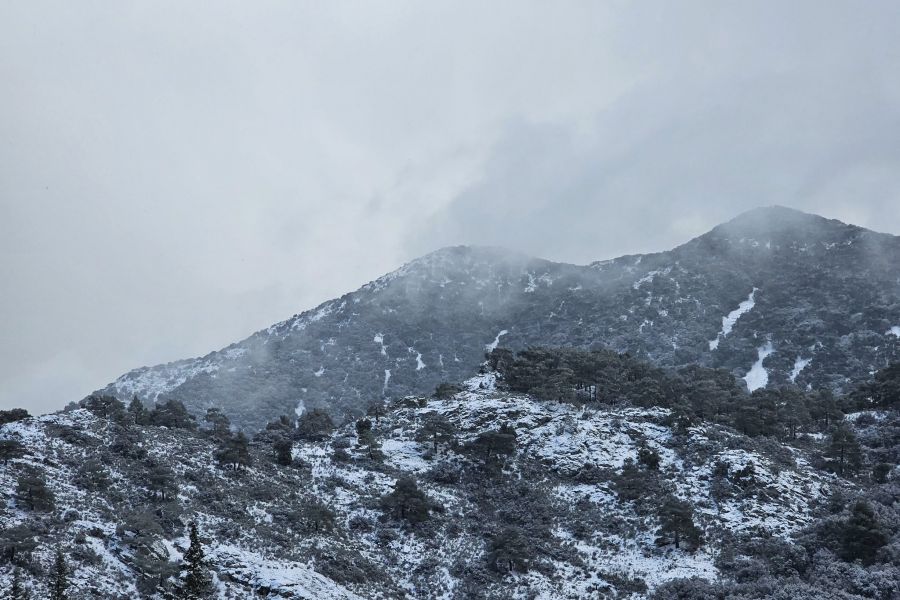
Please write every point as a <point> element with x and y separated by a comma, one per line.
<point>775,297</point>
<point>575,504</point>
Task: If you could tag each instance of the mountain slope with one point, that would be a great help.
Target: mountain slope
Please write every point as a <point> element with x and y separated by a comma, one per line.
<point>583,511</point>
<point>775,296</point>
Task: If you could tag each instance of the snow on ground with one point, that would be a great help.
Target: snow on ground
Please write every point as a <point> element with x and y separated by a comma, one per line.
<point>729,321</point>
<point>895,331</point>
<point>493,345</point>
<point>268,573</point>
<point>379,339</point>
<point>757,377</point>
<point>387,378</point>
<point>405,455</point>
<point>799,364</point>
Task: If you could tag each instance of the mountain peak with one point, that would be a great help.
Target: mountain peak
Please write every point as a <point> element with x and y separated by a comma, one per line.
<point>782,224</point>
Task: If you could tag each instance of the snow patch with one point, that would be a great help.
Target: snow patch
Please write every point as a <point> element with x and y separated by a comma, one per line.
<point>758,377</point>
<point>493,345</point>
<point>799,364</point>
<point>729,321</point>
<point>320,372</point>
<point>895,331</point>
<point>379,339</point>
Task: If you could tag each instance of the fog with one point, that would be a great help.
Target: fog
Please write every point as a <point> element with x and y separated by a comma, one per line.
<point>176,175</point>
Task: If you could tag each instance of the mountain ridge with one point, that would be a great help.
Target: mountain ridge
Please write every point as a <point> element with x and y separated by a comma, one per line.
<point>431,319</point>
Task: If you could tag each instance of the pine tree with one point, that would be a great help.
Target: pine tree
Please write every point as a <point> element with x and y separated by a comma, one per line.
<point>60,578</point>
<point>197,582</point>
<point>219,422</point>
<point>32,492</point>
<point>138,413</point>
<point>17,591</point>
<point>844,450</point>
<point>235,452</point>
<point>677,524</point>
<point>862,535</point>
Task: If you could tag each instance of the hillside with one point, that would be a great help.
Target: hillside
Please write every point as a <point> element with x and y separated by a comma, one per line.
<point>775,297</point>
<point>574,506</point>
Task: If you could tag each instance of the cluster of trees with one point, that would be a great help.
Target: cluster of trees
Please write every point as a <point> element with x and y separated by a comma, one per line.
<point>57,585</point>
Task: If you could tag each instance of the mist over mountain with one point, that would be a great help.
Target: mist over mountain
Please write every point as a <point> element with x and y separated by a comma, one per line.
<point>775,297</point>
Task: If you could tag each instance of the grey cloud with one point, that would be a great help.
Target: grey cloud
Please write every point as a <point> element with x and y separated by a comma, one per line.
<point>173,177</point>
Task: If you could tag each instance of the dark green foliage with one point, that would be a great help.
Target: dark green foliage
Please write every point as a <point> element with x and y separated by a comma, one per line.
<point>883,392</point>
<point>105,407</point>
<point>844,452</point>
<point>128,443</point>
<point>881,472</point>
<point>10,449</point>
<point>446,390</point>
<point>407,502</point>
<point>677,524</point>
<point>16,544</point>
<point>197,583</point>
<point>60,584</point>
<point>636,485</point>
<point>219,425</point>
<point>649,458</point>
<point>568,374</point>
<point>234,452</point>
<point>17,590</point>
<point>367,441</point>
<point>160,480</point>
<point>139,415</point>
<point>312,516</point>
<point>862,535</point>
<point>314,425</point>
<point>172,414</point>
<point>281,451</point>
<point>437,430</point>
<point>494,446</point>
<point>92,475</point>
<point>687,589</point>
<point>509,550</point>
<point>12,415</point>
<point>32,492</point>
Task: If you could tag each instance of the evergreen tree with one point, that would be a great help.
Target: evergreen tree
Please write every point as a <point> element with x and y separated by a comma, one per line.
<point>139,414</point>
<point>160,481</point>
<point>235,452</point>
<point>407,501</point>
<point>281,448</point>
<point>677,524</point>
<point>220,426</point>
<point>862,535</point>
<point>844,450</point>
<point>437,429</point>
<point>509,551</point>
<point>60,584</point>
<point>314,425</point>
<point>197,583</point>
<point>367,441</point>
<point>649,458</point>
<point>32,492</point>
<point>18,591</point>
<point>172,414</point>
<point>10,449</point>
<point>12,415</point>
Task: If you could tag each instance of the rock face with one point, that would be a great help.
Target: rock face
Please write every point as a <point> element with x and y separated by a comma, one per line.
<point>775,296</point>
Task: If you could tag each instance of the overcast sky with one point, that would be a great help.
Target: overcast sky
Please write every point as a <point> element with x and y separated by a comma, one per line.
<point>175,176</point>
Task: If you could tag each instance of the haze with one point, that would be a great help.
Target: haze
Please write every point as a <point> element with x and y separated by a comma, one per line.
<point>176,175</point>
